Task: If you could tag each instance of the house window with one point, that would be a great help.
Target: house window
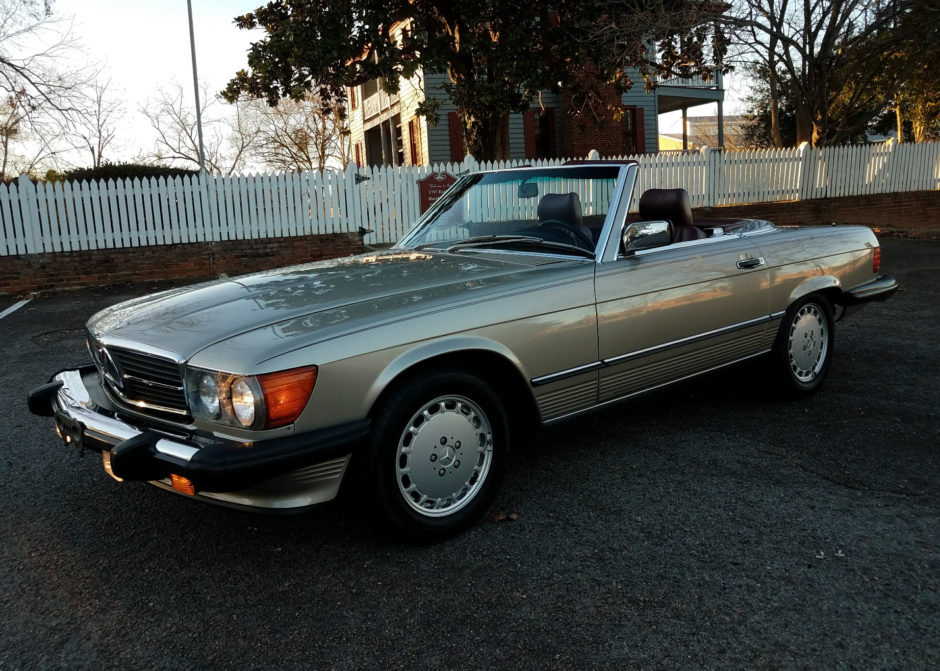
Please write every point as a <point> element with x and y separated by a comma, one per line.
<point>414,141</point>
<point>353,97</point>
<point>358,154</point>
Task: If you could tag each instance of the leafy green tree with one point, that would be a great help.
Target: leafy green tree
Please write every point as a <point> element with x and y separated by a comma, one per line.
<point>498,54</point>
<point>909,84</point>
<point>771,114</point>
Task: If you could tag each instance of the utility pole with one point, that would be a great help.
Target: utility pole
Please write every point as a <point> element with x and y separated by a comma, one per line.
<point>192,46</point>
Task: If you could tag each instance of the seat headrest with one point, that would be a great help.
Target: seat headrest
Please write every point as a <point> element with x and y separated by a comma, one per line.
<point>564,207</point>
<point>671,204</point>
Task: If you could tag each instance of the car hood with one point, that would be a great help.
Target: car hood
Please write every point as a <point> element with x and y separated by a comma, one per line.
<point>394,283</point>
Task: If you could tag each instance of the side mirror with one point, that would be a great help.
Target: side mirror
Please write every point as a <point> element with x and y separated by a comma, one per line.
<point>645,235</point>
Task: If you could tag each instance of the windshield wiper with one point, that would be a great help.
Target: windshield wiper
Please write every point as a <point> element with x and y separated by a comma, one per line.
<point>488,240</point>
<point>477,241</point>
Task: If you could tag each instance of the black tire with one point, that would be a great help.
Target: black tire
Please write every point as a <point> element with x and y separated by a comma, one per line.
<point>436,455</point>
<point>804,347</point>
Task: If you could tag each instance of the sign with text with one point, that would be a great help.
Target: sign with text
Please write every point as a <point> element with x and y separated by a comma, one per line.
<point>431,187</point>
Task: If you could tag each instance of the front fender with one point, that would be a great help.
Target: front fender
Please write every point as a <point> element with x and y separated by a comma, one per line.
<point>427,351</point>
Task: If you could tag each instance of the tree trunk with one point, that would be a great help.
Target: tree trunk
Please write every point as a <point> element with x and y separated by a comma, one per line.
<point>804,125</point>
<point>487,136</point>
<point>819,134</point>
<point>774,96</point>
<point>900,120</point>
<point>775,118</point>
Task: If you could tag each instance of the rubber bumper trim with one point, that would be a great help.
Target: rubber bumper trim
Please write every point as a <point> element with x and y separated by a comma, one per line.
<point>230,466</point>
<point>878,289</point>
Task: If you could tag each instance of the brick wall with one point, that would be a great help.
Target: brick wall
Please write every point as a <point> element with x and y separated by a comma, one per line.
<point>32,272</point>
<point>908,211</point>
<point>593,128</point>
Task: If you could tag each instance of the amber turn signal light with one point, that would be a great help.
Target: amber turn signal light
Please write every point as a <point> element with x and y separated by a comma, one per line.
<point>286,394</point>
<point>182,485</point>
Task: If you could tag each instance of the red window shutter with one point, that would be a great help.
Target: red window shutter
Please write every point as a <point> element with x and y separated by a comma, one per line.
<point>528,131</point>
<point>457,151</point>
<point>551,129</point>
<point>639,127</point>
<point>358,154</point>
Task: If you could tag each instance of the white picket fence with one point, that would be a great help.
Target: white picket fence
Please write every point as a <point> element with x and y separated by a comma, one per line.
<point>133,213</point>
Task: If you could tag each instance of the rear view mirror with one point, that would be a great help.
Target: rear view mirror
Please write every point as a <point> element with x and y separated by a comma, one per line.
<point>528,190</point>
<point>645,235</point>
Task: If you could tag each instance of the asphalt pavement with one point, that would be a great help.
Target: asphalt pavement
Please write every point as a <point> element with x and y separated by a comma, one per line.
<point>708,526</point>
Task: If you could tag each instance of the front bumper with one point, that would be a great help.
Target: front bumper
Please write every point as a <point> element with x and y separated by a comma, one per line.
<point>288,472</point>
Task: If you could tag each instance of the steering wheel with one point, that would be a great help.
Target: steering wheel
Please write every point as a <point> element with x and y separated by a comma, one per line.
<point>577,234</point>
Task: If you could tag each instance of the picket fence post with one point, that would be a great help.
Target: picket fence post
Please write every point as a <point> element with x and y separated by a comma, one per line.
<point>710,170</point>
<point>30,211</point>
<point>808,160</point>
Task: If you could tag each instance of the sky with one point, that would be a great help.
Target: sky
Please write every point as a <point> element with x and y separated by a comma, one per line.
<point>142,44</point>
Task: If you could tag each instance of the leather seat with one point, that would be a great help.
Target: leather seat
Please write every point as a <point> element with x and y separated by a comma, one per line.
<point>674,205</point>
<point>564,207</point>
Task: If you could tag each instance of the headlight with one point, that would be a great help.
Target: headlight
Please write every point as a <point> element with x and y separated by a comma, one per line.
<point>243,402</point>
<point>251,401</point>
<point>207,394</point>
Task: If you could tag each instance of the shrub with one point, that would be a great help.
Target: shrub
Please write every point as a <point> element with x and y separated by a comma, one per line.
<point>125,171</point>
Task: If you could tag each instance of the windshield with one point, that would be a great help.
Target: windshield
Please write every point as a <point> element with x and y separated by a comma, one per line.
<point>550,210</point>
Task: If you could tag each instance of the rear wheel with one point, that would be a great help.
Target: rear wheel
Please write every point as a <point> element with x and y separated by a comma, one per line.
<point>803,350</point>
<point>436,454</point>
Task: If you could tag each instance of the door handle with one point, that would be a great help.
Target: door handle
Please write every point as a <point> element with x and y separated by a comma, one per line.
<point>752,262</point>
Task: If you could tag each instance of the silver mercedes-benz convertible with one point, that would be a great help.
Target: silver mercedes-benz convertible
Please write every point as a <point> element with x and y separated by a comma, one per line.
<point>522,298</point>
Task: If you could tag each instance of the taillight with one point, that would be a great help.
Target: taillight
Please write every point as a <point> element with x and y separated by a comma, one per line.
<point>876,260</point>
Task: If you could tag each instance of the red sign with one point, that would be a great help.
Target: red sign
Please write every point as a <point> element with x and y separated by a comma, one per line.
<point>431,187</point>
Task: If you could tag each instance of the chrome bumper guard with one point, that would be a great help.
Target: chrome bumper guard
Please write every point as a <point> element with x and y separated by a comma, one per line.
<point>289,472</point>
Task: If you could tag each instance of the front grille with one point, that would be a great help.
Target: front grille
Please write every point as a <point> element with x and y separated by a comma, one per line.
<point>143,381</point>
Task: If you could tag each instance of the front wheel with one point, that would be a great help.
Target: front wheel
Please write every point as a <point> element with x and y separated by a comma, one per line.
<point>436,454</point>
<point>803,350</point>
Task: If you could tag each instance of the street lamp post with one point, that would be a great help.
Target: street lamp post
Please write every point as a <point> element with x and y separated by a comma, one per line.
<point>192,46</point>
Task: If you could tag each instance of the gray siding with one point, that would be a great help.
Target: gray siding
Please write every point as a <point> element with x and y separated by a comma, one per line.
<point>439,134</point>
<point>639,97</point>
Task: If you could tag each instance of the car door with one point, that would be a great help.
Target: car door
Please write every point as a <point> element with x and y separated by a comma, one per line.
<point>671,312</point>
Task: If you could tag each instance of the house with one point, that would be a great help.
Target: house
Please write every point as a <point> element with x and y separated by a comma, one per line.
<point>384,129</point>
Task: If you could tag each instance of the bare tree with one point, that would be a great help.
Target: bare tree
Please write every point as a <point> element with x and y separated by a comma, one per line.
<point>227,138</point>
<point>826,51</point>
<point>299,135</point>
<point>26,141</point>
<point>37,90</point>
<point>95,131</point>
